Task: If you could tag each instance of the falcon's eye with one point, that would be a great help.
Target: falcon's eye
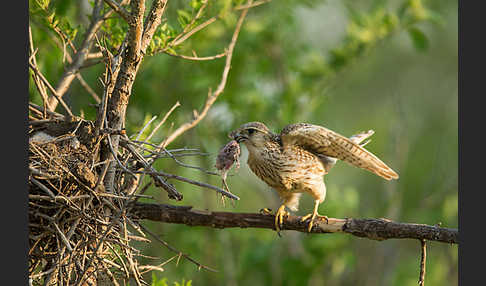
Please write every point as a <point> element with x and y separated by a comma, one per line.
<point>251,131</point>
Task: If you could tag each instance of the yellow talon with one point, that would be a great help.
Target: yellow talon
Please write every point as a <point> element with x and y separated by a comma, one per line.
<point>281,212</point>
<point>266,211</point>
<point>313,217</point>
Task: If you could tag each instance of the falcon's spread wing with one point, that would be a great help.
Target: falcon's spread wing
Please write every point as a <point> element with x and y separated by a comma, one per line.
<point>329,162</point>
<point>324,142</point>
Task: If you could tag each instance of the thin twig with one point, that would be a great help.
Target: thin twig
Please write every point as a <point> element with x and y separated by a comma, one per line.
<point>180,254</point>
<point>161,182</point>
<point>212,96</point>
<point>118,9</point>
<point>63,237</point>
<point>136,143</point>
<point>110,144</point>
<point>80,56</point>
<point>421,281</point>
<point>42,109</point>
<point>196,58</point>
<point>53,91</point>
<point>145,127</point>
<point>186,36</point>
<point>44,188</point>
<point>187,30</point>
<point>38,83</point>
<point>88,88</point>
<point>188,166</point>
<point>183,179</point>
<point>177,104</point>
<point>254,4</point>
<point>80,78</point>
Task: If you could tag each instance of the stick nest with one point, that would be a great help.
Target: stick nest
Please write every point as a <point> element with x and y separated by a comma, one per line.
<point>80,232</point>
<point>69,212</point>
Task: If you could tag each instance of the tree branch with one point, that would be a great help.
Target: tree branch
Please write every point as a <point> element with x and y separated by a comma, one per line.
<point>118,101</point>
<point>219,90</point>
<point>153,20</point>
<point>376,229</point>
<point>79,58</point>
<point>118,9</point>
<point>423,244</point>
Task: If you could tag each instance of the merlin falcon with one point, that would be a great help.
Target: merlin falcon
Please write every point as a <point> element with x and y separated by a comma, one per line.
<point>295,161</point>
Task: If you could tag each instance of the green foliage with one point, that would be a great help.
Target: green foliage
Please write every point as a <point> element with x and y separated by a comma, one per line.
<point>163,282</point>
<point>46,14</point>
<point>196,4</point>
<point>364,31</point>
<point>114,32</point>
<point>184,18</point>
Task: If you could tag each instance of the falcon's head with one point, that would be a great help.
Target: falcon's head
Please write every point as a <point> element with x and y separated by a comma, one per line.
<point>254,134</point>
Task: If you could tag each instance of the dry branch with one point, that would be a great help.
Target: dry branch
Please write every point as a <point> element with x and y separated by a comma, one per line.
<point>423,245</point>
<point>160,182</point>
<point>53,91</point>
<point>179,253</point>
<point>196,58</point>
<point>118,9</point>
<point>80,55</point>
<point>376,229</point>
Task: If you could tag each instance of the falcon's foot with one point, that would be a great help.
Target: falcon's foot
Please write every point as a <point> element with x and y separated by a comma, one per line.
<point>313,216</point>
<point>266,211</point>
<point>281,213</point>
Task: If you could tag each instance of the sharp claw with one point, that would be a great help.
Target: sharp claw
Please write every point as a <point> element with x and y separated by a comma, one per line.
<point>304,218</point>
<point>313,217</point>
<point>311,224</point>
<point>266,211</point>
<point>277,227</point>
<point>279,218</point>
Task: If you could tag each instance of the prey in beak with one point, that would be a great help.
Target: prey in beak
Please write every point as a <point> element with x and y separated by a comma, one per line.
<point>237,136</point>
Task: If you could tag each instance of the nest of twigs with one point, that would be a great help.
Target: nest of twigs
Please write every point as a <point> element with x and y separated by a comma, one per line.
<point>80,228</point>
<point>77,232</point>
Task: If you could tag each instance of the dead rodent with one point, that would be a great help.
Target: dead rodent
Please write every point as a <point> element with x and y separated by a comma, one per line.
<point>227,157</point>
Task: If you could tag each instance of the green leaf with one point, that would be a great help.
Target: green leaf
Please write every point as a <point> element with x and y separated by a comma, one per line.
<point>50,18</point>
<point>196,4</point>
<point>44,4</point>
<point>419,39</point>
<point>184,17</point>
<point>156,282</point>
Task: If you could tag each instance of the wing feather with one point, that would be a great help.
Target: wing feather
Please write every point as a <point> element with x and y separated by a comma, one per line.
<point>324,142</point>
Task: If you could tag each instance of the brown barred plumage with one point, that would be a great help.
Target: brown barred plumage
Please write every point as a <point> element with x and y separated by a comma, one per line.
<point>295,161</point>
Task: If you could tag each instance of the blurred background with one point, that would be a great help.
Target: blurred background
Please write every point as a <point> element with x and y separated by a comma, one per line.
<point>390,66</point>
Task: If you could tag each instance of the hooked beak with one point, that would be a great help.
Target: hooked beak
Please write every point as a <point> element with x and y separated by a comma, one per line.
<point>238,137</point>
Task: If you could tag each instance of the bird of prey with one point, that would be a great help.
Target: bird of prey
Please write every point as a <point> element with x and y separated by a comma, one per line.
<point>295,161</point>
